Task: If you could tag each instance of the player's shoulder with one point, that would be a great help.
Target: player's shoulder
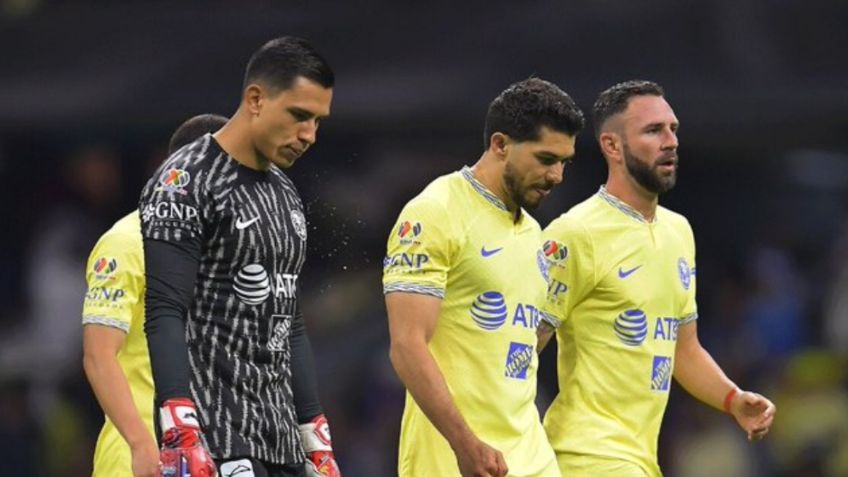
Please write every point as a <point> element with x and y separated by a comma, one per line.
<point>126,231</point>
<point>579,218</point>
<point>437,196</point>
<point>190,163</point>
<point>122,242</point>
<point>677,219</point>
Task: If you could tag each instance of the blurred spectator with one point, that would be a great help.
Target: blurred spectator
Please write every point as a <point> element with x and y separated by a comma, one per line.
<point>55,276</point>
<point>811,435</point>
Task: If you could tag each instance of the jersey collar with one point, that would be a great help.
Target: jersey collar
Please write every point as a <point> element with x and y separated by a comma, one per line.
<point>618,204</point>
<point>481,189</point>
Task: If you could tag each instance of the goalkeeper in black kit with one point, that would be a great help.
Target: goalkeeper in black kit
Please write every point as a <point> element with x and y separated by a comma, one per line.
<point>224,243</point>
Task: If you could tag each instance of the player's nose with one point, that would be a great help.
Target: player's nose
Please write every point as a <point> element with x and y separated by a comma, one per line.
<point>308,133</point>
<point>554,174</point>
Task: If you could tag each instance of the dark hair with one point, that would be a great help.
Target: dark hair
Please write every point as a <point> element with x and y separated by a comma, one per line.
<point>282,60</point>
<point>615,99</point>
<point>524,107</point>
<point>193,128</point>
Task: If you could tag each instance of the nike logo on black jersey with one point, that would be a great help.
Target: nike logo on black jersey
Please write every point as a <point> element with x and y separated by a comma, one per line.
<point>489,253</point>
<point>244,224</point>
<point>627,273</point>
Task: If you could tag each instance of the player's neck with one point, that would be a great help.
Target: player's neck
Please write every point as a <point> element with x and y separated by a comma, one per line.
<point>490,175</point>
<point>634,195</point>
<point>235,141</point>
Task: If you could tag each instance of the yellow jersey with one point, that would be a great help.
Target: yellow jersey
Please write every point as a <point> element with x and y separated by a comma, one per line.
<point>457,241</point>
<point>115,297</point>
<point>619,288</point>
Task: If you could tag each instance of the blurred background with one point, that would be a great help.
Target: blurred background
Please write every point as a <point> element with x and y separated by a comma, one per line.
<point>90,92</point>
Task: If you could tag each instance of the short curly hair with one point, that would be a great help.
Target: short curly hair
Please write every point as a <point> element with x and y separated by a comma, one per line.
<point>524,107</point>
<point>615,99</point>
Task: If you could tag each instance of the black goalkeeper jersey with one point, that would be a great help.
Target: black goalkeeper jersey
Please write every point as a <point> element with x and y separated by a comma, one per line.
<point>247,232</point>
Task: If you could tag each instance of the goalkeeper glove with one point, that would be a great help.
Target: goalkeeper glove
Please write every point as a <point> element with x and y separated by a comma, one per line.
<point>182,452</point>
<point>318,446</point>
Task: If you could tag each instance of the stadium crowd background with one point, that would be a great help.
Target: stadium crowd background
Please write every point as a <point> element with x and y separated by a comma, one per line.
<point>90,91</point>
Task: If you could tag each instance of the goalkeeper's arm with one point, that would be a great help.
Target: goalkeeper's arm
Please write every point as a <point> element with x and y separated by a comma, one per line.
<point>170,270</point>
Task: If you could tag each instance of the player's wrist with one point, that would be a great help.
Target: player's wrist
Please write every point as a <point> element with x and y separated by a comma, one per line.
<point>315,434</point>
<point>729,398</point>
<point>179,423</point>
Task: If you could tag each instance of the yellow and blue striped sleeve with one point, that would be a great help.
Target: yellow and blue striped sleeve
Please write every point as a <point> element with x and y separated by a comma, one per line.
<point>570,257</point>
<point>420,249</point>
<point>115,279</point>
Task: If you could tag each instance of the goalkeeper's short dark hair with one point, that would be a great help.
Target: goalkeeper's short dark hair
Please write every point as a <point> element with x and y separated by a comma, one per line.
<point>524,107</point>
<point>193,128</point>
<point>278,63</point>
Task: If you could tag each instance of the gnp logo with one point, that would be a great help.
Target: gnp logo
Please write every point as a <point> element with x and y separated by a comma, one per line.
<point>169,211</point>
<point>555,252</point>
<point>174,180</point>
<point>490,312</point>
<point>105,295</point>
<point>104,267</point>
<point>631,327</point>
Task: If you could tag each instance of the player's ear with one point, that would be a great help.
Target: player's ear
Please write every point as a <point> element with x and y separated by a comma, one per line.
<point>253,96</point>
<point>611,145</point>
<point>498,143</point>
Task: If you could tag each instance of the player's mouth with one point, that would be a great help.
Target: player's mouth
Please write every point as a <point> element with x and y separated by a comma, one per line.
<point>294,152</point>
<point>542,191</point>
<point>667,165</point>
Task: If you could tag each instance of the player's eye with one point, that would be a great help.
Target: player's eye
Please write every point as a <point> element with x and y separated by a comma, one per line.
<point>300,115</point>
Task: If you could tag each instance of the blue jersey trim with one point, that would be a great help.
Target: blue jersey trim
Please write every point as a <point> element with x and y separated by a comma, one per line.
<point>618,204</point>
<point>106,321</point>
<point>480,188</point>
<point>688,319</point>
<point>414,288</point>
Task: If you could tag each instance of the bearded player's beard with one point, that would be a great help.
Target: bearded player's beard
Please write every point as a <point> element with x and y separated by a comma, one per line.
<point>519,193</point>
<point>651,177</point>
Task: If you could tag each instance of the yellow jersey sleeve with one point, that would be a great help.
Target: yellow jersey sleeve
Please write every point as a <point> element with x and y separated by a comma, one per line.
<point>570,256</point>
<point>421,249</point>
<point>686,269</point>
<point>115,279</point>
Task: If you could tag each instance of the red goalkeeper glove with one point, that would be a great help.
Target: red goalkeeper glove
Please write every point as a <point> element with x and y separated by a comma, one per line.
<point>182,452</point>
<point>315,436</point>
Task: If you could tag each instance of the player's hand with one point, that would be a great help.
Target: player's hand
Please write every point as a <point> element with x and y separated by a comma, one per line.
<point>182,452</point>
<point>315,436</point>
<point>754,413</point>
<point>478,459</point>
<point>145,459</point>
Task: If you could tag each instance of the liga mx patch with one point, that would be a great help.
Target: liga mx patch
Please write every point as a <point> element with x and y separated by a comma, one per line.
<point>661,373</point>
<point>518,360</point>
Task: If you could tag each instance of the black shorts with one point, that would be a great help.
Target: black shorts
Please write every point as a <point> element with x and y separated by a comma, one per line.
<point>250,467</point>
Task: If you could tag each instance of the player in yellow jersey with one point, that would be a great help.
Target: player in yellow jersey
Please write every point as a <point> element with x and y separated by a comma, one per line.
<point>115,349</point>
<point>464,282</point>
<point>621,296</point>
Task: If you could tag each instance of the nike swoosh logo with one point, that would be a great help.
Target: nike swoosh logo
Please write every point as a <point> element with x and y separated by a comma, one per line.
<point>627,273</point>
<point>239,470</point>
<point>489,253</point>
<point>242,225</point>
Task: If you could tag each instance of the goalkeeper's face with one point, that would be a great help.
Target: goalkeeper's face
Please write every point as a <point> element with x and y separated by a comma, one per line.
<point>285,123</point>
<point>533,168</point>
